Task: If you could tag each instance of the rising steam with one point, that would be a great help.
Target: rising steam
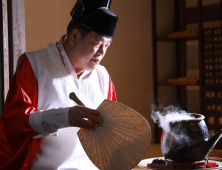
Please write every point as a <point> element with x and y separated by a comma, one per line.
<point>169,115</point>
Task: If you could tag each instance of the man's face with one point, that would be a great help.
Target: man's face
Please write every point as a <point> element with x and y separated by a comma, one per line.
<point>89,51</point>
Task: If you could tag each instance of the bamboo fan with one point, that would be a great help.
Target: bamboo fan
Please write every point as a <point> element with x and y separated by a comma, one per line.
<point>121,142</point>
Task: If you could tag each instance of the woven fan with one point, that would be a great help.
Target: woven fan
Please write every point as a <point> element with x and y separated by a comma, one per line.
<point>121,142</point>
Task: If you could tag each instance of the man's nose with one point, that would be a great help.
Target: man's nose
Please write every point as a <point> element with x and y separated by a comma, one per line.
<point>102,50</point>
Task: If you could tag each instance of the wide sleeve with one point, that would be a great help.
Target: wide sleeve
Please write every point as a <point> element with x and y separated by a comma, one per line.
<point>17,147</point>
<point>111,92</point>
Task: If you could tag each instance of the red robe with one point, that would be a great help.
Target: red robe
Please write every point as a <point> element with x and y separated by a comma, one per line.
<point>17,147</point>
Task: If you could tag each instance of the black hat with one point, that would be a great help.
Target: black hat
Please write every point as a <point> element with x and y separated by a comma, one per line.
<point>96,16</point>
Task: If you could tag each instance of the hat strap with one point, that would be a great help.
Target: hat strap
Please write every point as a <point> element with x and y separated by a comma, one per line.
<point>108,4</point>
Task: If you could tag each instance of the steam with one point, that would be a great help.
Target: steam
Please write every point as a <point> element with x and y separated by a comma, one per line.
<point>172,114</point>
<point>169,115</point>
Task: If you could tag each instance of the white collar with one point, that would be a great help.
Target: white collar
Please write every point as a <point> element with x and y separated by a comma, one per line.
<point>67,63</point>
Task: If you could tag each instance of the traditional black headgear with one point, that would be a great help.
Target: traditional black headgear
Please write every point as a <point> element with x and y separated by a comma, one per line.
<point>96,16</point>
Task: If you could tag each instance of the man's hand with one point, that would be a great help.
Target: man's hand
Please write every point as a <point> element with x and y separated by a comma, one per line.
<point>78,113</point>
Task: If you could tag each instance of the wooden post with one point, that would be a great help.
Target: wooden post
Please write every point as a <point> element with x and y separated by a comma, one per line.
<point>155,74</point>
<point>5,47</point>
<point>1,62</point>
<point>200,52</point>
<point>12,42</point>
<point>16,23</point>
<point>4,57</point>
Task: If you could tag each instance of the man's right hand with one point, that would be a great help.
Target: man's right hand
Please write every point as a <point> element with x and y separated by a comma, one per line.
<point>78,113</point>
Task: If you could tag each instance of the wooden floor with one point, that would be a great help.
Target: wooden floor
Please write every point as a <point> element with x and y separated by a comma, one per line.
<point>154,151</point>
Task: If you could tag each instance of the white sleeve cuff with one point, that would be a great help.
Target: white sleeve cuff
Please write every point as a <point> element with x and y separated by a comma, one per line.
<point>49,121</point>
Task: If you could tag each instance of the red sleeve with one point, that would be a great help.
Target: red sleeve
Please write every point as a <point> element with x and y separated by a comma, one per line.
<point>17,148</point>
<point>112,92</point>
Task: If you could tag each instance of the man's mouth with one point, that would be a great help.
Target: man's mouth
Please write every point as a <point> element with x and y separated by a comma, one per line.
<point>96,60</point>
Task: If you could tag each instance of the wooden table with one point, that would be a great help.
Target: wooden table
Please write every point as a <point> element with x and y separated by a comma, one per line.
<point>216,160</point>
<point>138,168</point>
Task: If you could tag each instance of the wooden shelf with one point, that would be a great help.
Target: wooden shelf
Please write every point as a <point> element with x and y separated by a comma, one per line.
<point>209,45</point>
<point>179,52</point>
<point>178,39</point>
<point>178,84</point>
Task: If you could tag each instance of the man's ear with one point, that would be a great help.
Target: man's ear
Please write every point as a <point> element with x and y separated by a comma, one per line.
<point>74,36</point>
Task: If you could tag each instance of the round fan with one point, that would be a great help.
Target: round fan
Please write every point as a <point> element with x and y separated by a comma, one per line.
<point>121,142</point>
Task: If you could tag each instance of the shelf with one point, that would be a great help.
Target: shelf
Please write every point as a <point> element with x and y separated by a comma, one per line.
<point>184,56</point>
<point>178,85</point>
<point>178,39</point>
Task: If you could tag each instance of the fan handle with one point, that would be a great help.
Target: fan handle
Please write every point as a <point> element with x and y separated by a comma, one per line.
<point>73,97</point>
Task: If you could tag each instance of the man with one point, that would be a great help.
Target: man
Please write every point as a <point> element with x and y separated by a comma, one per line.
<point>39,124</point>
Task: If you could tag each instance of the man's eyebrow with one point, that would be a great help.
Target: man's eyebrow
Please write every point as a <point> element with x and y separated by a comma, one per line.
<point>102,39</point>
